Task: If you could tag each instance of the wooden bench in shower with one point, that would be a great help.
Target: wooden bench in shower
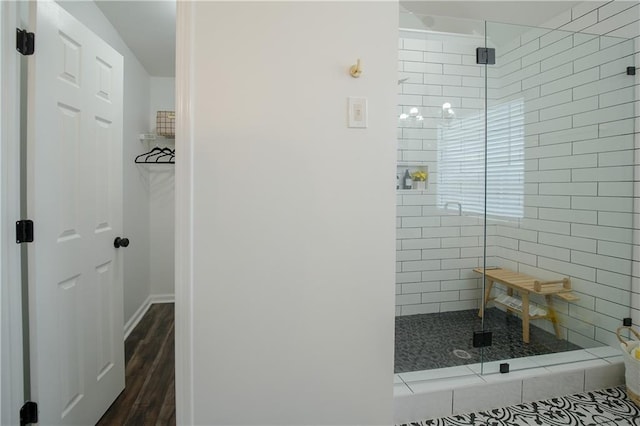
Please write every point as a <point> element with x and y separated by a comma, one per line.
<point>525,285</point>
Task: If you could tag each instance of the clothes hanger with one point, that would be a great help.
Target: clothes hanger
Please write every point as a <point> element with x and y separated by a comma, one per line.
<point>155,155</point>
<point>167,153</point>
<point>152,151</point>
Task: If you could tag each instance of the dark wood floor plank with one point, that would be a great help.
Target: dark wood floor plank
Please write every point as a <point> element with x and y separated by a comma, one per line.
<point>149,394</point>
<point>167,414</point>
<point>155,387</point>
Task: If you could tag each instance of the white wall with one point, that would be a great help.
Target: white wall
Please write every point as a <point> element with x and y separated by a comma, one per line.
<point>162,198</point>
<point>291,300</point>
<point>136,183</point>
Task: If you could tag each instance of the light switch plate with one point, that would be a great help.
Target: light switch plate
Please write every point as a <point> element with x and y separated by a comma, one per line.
<point>357,111</point>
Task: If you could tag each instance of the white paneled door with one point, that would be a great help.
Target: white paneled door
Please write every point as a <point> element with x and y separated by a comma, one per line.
<point>74,175</point>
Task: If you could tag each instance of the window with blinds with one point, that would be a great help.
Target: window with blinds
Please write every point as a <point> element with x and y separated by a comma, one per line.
<point>461,161</point>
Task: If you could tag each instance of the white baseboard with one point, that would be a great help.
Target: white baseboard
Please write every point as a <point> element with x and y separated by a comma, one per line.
<point>136,317</point>
<point>144,307</point>
<point>162,298</point>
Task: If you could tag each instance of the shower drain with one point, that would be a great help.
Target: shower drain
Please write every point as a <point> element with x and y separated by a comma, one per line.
<point>461,354</point>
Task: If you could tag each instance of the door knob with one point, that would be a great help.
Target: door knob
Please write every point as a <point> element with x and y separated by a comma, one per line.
<point>120,242</point>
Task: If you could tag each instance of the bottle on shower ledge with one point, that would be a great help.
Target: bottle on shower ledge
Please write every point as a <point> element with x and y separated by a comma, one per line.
<point>407,182</point>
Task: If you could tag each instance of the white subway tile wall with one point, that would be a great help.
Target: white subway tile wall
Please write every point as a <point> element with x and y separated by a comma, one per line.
<point>438,248</point>
<point>581,145</point>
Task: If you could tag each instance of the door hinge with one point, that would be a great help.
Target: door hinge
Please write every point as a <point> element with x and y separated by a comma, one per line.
<point>25,42</point>
<point>29,413</point>
<point>485,56</point>
<point>24,231</point>
<point>482,339</point>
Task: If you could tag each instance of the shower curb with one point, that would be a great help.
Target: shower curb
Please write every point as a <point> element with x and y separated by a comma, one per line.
<point>476,392</point>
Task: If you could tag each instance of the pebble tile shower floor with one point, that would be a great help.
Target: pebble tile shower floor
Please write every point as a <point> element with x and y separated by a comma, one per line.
<point>428,341</point>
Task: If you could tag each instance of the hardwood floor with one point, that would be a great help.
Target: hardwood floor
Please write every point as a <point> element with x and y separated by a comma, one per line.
<point>149,394</point>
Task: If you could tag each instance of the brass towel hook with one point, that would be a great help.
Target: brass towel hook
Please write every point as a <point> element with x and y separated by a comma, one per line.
<point>355,70</point>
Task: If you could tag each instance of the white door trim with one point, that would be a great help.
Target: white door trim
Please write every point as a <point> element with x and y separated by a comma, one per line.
<point>11,368</point>
<point>184,215</point>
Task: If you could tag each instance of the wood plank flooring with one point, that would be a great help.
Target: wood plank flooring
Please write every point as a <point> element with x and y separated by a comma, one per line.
<point>149,394</point>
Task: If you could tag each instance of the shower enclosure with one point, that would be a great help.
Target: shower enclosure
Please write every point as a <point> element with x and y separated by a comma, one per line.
<point>515,153</point>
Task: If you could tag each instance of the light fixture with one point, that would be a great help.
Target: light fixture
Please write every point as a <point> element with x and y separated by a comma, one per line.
<point>414,113</point>
<point>447,112</point>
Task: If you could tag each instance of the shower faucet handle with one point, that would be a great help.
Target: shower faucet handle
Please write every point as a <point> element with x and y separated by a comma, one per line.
<point>455,203</point>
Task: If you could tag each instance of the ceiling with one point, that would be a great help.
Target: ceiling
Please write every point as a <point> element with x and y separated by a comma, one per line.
<point>530,13</point>
<point>149,29</point>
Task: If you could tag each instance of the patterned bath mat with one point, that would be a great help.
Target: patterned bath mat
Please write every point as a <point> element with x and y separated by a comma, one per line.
<point>607,407</point>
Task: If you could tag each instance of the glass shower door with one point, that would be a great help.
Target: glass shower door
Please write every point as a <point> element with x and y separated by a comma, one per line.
<point>559,195</point>
<point>439,197</point>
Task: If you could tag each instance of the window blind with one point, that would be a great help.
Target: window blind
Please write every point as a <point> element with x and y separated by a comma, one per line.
<point>461,161</point>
